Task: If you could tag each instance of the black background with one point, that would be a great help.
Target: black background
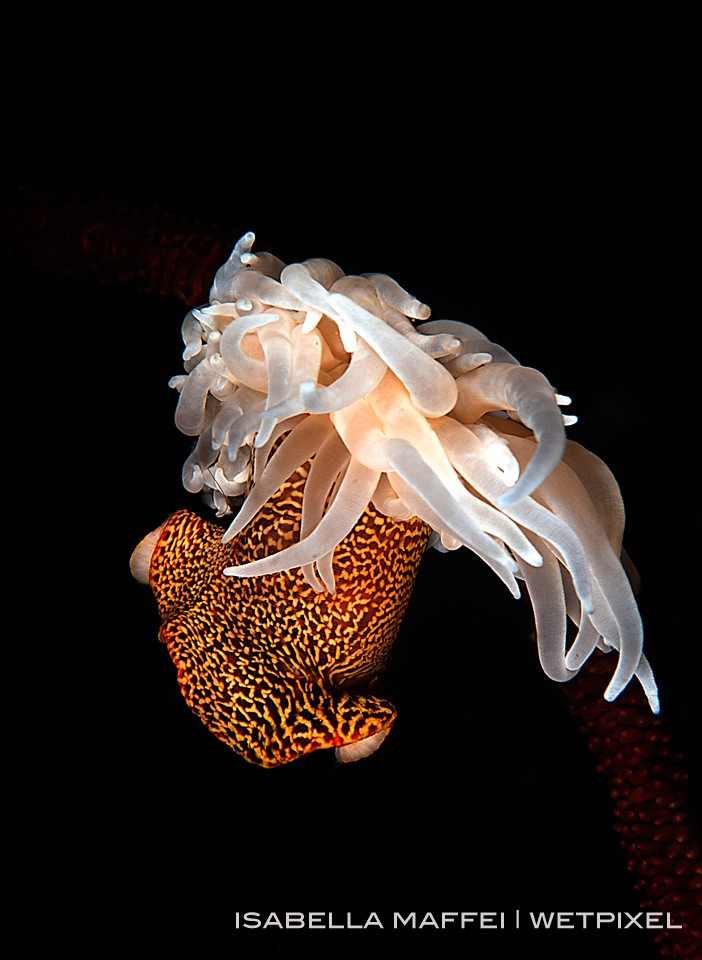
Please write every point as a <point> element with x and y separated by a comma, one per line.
<point>537,180</point>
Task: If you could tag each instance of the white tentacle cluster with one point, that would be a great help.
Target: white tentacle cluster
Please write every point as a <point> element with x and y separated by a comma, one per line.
<point>289,364</point>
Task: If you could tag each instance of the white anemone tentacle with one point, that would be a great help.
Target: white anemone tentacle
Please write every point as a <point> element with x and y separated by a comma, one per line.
<point>528,394</point>
<point>548,600</point>
<point>249,371</point>
<point>329,464</point>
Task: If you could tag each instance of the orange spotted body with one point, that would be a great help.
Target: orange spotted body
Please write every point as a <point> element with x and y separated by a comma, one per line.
<point>271,667</point>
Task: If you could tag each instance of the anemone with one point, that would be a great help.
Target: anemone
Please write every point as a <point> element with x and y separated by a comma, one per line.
<point>297,364</point>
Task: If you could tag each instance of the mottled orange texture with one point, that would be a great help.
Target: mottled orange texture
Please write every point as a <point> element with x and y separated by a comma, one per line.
<point>272,668</point>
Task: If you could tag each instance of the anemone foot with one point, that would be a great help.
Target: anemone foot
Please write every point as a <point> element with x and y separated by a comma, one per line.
<point>350,752</point>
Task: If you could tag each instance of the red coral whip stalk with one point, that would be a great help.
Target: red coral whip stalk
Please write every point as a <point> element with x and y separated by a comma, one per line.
<point>655,821</point>
<point>147,248</point>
